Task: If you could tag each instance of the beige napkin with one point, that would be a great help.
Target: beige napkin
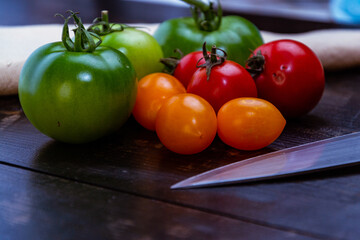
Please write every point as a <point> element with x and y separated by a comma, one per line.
<point>337,49</point>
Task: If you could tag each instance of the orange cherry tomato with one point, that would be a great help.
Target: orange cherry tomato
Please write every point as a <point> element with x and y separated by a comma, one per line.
<point>249,123</point>
<point>153,89</point>
<point>186,124</point>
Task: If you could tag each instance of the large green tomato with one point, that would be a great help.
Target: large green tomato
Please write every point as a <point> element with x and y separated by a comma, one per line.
<point>140,47</point>
<point>234,34</point>
<point>77,97</point>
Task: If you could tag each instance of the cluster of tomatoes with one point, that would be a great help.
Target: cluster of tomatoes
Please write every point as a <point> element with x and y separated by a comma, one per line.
<point>86,87</point>
<point>209,95</point>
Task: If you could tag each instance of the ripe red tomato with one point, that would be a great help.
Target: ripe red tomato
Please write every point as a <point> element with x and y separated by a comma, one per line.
<point>249,123</point>
<point>184,68</point>
<point>187,66</point>
<point>291,76</point>
<point>186,124</point>
<point>153,90</point>
<point>227,81</point>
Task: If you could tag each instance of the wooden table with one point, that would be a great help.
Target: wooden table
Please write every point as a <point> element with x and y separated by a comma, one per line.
<point>119,187</point>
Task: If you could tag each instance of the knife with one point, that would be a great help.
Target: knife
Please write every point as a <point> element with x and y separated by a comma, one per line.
<point>321,155</point>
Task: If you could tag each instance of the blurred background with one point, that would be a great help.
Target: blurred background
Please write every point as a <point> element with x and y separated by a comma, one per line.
<point>271,15</point>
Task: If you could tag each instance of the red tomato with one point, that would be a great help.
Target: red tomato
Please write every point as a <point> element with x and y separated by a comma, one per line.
<point>186,124</point>
<point>187,66</point>
<point>292,77</point>
<point>249,123</point>
<point>153,90</point>
<point>227,81</point>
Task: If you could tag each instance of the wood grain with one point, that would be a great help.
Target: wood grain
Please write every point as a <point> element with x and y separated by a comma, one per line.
<point>39,206</point>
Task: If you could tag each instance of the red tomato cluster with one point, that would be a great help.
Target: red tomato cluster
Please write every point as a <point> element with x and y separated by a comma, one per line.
<point>210,95</point>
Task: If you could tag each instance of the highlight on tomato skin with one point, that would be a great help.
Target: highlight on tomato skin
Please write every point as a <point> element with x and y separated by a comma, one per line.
<point>153,90</point>
<point>249,123</point>
<point>186,124</point>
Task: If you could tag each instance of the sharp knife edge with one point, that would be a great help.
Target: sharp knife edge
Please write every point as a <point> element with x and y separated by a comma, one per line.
<point>327,159</point>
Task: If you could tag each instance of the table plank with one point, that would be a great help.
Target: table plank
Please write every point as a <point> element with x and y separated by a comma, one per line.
<point>133,161</point>
<point>39,206</point>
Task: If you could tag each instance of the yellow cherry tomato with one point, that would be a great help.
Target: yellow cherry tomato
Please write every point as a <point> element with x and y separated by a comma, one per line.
<point>186,124</point>
<point>249,123</point>
<point>153,90</point>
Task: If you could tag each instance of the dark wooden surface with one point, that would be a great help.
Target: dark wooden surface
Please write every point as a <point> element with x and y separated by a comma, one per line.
<point>118,187</point>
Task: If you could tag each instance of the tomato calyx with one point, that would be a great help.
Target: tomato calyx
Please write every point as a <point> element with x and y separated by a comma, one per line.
<point>84,40</point>
<point>102,27</point>
<point>204,14</point>
<point>172,62</point>
<point>212,59</point>
<point>255,64</point>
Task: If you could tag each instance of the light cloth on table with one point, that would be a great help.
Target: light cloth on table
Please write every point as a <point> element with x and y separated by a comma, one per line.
<point>337,49</point>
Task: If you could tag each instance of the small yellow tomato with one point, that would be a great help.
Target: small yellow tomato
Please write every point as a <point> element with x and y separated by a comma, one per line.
<point>249,123</point>
<point>186,124</point>
<point>153,90</point>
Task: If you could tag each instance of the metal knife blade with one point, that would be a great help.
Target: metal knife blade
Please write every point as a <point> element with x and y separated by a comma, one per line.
<point>316,156</point>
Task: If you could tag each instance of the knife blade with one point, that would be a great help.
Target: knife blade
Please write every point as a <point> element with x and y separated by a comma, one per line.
<point>321,155</point>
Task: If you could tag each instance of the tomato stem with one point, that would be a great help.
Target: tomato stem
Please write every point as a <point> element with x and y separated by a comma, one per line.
<point>105,19</point>
<point>84,40</point>
<point>255,64</point>
<point>202,5</point>
<point>212,59</point>
<point>101,25</point>
<point>204,15</point>
<point>172,62</point>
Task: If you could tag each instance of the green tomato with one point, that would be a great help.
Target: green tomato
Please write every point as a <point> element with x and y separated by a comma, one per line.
<point>235,35</point>
<point>77,96</point>
<point>141,48</point>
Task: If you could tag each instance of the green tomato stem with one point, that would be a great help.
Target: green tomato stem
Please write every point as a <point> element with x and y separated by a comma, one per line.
<point>105,19</point>
<point>84,40</point>
<point>204,15</point>
<point>102,27</point>
<point>203,5</point>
